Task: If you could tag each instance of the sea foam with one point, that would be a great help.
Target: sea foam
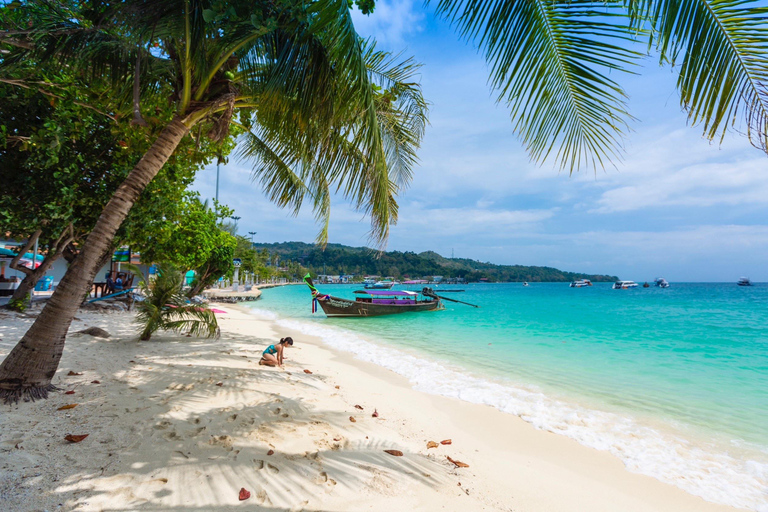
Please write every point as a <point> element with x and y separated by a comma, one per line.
<point>713,475</point>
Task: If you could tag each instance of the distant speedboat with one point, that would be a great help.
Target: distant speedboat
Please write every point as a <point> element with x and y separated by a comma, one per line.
<point>525,283</point>
<point>384,284</point>
<point>624,285</point>
<point>646,285</point>
<point>581,283</point>
<point>661,282</point>
<point>744,281</point>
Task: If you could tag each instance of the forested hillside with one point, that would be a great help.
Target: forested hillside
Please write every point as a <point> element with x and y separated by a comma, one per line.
<point>339,259</point>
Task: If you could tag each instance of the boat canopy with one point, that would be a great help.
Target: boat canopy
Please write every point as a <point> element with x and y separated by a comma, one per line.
<point>387,293</point>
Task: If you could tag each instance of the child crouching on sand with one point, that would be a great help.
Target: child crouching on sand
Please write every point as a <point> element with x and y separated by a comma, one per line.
<point>273,355</point>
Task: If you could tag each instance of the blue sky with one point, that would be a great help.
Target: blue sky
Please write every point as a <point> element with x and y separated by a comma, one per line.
<point>678,206</point>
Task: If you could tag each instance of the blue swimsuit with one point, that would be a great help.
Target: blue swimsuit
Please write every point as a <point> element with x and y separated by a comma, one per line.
<point>271,350</point>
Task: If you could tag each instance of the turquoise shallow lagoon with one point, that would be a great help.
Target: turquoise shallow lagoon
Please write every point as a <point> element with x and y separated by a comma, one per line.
<point>673,381</point>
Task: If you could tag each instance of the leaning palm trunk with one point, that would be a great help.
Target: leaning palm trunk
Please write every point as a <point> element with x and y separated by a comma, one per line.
<point>29,368</point>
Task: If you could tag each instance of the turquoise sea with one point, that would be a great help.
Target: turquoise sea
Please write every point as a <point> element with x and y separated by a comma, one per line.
<point>672,381</point>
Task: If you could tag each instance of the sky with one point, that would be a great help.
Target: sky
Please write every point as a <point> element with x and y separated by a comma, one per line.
<point>677,206</point>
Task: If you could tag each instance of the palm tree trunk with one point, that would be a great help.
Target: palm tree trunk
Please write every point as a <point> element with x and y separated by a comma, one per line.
<point>31,365</point>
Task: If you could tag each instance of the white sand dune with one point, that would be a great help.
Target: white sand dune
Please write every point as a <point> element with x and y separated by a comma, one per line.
<point>183,424</point>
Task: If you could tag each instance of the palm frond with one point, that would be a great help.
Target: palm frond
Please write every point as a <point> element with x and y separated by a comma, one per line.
<point>298,156</point>
<point>722,49</point>
<point>165,307</point>
<point>550,61</point>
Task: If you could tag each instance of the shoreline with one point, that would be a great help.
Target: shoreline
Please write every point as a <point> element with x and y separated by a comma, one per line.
<point>505,445</point>
<point>184,423</point>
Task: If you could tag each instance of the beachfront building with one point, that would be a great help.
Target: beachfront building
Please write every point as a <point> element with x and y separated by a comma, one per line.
<point>10,278</point>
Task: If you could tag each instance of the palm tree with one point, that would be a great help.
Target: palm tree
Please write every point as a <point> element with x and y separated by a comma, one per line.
<point>555,63</point>
<point>165,307</point>
<point>304,85</point>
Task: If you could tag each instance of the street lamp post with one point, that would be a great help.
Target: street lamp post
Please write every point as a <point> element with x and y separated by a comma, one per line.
<point>235,218</point>
<point>252,233</point>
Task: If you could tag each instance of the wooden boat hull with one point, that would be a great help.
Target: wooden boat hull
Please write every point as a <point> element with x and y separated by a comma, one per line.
<point>338,307</point>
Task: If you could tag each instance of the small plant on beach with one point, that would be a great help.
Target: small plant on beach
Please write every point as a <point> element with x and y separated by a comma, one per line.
<point>165,307</point>
<point>20,304</point>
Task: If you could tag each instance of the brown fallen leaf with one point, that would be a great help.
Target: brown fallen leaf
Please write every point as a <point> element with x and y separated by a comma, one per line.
<point>244,495</point>
<point>75,438</point>
<point>458,463</point>
<point>337,387</point>
<point>445,441</point>
<point>219,384</point>
<point>73,373</point>
<point>432,444</point>
<point>396,453</point>
<point>337,439</point>
<point>375,414</point>
<point>95,382</point>
<point>132,361</point>
<point>308,372</point>
<point>352,419</point>
<point>64,407</point>
<point>271,452</point>
<point>69,392</point>
<point>359,407</point>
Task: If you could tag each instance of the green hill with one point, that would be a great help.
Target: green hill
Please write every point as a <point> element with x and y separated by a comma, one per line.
<point>339,259</point>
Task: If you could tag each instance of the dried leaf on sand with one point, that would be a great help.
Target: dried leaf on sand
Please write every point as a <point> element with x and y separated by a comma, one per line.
<point>352,419</point>
<point>445,441</point>
<point>68,406</point>
<point>432,444</point>
<point>73,373</point>
<point>244,495</point>
<point>359,407</point>
<point>271,452</point>
<point>458,463</point>
<point>396,453</point>
<point>375,414</point>
<point>69,392</point>
<point>308,372</point>
<point>75,438</point>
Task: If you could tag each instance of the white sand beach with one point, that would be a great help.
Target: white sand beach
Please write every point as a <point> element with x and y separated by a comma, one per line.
<point>184,424</point>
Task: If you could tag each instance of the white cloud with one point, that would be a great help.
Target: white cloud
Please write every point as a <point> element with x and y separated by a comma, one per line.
<point>391,21</point>
<point>681,169</point>
<point>468,221</point>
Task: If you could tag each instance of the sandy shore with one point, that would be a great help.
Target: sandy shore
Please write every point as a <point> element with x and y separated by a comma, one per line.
<point>183,424</point>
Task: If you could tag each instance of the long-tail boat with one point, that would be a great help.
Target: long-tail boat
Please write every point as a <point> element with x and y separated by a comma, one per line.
<point>373,302</point>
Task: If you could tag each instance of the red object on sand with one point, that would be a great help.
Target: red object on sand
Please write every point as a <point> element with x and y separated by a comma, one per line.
<point>244,495</point>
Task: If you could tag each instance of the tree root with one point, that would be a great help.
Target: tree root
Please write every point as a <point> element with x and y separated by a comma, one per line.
<point>12,396</point>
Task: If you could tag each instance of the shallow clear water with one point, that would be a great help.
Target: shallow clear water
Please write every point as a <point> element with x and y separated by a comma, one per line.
<point>673,381</point>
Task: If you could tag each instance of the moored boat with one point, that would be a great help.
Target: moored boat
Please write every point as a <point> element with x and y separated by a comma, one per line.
<point>744,281</point>
<point>373,302</point>
<point>384,284</point>
<point>661,282</point>
<point>624,285</point>
<point>581,283</point>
